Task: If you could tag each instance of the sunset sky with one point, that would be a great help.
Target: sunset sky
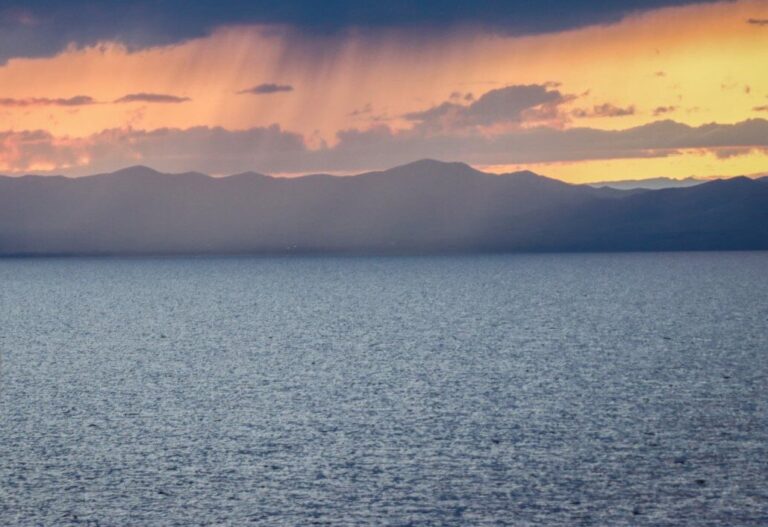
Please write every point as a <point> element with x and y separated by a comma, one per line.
<point>582,91</point>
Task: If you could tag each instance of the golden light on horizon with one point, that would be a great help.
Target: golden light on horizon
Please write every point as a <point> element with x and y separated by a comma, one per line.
<point>692,163</point>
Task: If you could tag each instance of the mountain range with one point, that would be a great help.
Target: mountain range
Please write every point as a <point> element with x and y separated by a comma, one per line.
<point>425,206</point>
<point>650,183</point>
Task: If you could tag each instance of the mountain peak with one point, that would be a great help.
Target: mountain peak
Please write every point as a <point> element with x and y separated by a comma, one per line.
<point>135,170</point>
<point>145,172</point>
<point>428,163</point>
<point>430,168</point>
<point>247,176</point>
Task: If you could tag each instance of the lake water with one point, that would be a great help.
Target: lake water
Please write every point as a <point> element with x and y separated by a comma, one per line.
<point>486,390</point>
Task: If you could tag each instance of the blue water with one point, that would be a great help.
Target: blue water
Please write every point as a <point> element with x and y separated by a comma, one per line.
<point>486,390</point>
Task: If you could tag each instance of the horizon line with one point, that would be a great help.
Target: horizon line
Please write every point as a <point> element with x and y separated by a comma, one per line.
<point>480,168</point>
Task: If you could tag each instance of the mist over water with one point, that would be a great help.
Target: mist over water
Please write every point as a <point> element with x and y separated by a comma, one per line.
<point>615,389</point>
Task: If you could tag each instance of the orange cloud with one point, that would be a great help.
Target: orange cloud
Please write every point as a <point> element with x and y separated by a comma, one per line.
<point>151,98</point>
<point>604,110</point>
<point>78,100</point>
<point>265,89</point>
<point>272,149</point>
<point>661,110</point>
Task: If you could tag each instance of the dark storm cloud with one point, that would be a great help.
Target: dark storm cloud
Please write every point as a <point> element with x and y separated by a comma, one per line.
<point>33,28</point>
<point>267,88</point>
<point>152,98</point>
<point>78,100</point>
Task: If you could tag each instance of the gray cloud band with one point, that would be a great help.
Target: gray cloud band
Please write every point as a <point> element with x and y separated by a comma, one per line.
<point>271,149</point>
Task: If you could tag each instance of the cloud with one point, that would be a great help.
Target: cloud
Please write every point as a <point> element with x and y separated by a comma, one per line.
<point>661,110</point>
<point>760,108</point>
<point>728,152</point>
<point>271,149</point>
<point>746,88</point>
<point>605,110</point>
<point>758,21</point>
<point>39,150</point>
<point>459,96</point>
<point>35,28</point>
<point>263,89</point>
<point>381,146</point>
<point>508,105</point>
<point>85,100</point>
<point>78,100</point>
<point>210,149</point>
<point>151,98</point>
<point>513,124</point>
<point>365,110</point>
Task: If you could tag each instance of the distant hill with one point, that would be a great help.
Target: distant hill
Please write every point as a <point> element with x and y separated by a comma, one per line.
<point>424,206</point>
<point>650,184</point>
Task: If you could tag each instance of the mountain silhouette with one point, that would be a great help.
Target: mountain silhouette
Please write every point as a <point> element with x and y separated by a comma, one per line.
<point>650,183</point>
<point>425,206</point>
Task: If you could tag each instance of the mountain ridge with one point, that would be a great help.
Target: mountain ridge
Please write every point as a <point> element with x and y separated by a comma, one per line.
<point>425,206</point>
<point>654,183</point>
<point>650,183</point>
<point>407,169</point>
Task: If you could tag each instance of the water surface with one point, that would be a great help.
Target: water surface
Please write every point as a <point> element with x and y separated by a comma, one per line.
<point>485,390</point>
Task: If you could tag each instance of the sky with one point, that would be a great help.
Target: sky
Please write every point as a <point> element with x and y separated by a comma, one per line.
<point>578,90</point>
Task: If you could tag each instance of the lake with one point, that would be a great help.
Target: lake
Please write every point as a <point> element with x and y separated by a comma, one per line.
<point>584,389</point>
